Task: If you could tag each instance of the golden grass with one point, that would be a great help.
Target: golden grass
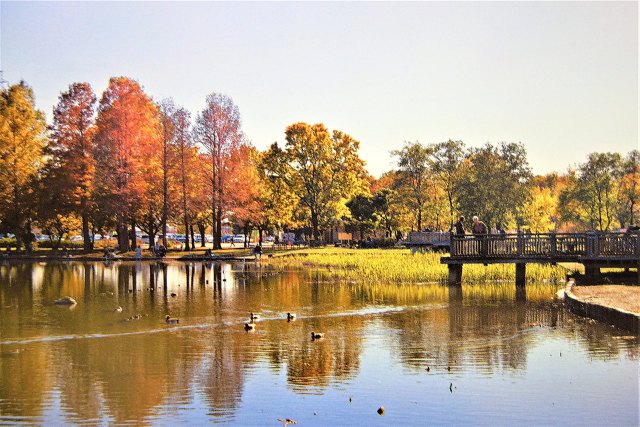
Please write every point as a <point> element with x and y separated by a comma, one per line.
<point>400,266</point>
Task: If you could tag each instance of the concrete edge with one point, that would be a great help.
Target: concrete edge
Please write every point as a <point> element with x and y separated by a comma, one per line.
<point>620,318</point>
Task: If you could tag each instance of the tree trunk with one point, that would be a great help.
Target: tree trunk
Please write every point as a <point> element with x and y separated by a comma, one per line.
<point>165,191</point>
<point>217,236</point>
<point>202,229</point>
<point>193,239</point>
<point>314,224</point>
<point>134,241</point>
<point>87,243</point>
<point>123,237</point>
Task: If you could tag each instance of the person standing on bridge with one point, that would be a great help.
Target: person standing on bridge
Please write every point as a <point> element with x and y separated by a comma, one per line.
<point>478,227</point>
<point>458,227</point>
<point>480,231</point>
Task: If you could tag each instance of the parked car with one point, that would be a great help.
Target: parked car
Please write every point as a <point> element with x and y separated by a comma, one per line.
<point>227,238</point>
<point>238,238</point>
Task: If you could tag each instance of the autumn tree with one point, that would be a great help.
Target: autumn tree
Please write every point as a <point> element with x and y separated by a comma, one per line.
<point>127,157</point>
<point>184,173</point>
<point>218,130</point>
<point>248,203</point>
<point>70,169</point>
<point>22,140</point>
<point>323,170</point>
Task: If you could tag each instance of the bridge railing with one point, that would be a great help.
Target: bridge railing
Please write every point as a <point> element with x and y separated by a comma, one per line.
<point>428,238</point>
<point>547,245</point>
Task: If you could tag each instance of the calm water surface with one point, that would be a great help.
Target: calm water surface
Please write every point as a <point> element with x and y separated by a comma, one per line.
<point>428,354</point>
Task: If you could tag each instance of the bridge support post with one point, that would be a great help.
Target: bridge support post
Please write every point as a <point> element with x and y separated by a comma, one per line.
<point>592,272</point>
<point>521,275</point>
<point>455,275</point>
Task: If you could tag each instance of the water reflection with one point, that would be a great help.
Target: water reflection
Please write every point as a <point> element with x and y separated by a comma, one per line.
<point>93,365</point>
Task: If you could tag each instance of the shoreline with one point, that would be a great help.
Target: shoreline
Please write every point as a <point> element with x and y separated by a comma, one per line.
<point>618,305</point>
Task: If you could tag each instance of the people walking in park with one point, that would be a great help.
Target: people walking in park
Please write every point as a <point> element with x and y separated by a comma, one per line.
<point>458,227</point>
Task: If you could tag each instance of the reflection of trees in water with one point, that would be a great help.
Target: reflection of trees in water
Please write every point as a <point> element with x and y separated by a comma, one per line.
<point>220,376</point>
<point>25,381</point>
<point>479,332</point>
<point>317,363</point>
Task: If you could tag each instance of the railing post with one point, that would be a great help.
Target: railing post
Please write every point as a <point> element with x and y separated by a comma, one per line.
<point>554,244</point>
<point>519,244</point>
<point>452,249</point>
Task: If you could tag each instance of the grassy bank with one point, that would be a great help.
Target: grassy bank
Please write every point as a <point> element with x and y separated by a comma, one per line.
<point>400,266</point>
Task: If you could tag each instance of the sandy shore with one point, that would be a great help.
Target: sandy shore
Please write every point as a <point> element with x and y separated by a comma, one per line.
<point>621,297</point>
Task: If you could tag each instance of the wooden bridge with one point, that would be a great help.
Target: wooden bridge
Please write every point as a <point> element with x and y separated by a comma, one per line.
<point>593,249</point>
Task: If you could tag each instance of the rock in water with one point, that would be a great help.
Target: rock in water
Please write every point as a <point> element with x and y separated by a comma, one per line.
<point>66,301</point>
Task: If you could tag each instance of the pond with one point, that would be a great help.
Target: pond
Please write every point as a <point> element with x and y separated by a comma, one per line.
<point>482,354</point>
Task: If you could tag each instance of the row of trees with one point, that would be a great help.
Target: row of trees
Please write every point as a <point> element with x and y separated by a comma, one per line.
<point>127,161</point>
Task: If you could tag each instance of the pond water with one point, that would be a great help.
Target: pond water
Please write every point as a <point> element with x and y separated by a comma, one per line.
<point>483,354</point>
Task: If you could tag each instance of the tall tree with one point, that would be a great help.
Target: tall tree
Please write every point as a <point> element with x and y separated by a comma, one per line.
<point>218,130</point>
<point>22,140</point>
<point>71,165</point>
<point>414,177</point>
<point>446,159</point>
<point>321,169</point>
<point>629,190</point>
<point>595,190</point>
<point>494,183</point>
<point>127,156</point>
<point>186,162</point>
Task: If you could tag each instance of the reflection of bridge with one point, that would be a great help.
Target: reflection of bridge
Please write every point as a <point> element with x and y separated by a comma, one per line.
<point>593,250</point>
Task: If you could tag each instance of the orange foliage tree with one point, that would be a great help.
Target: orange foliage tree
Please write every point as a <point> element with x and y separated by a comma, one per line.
<point>128,147</point>
<point>71,165</point>
<point>218,130</point>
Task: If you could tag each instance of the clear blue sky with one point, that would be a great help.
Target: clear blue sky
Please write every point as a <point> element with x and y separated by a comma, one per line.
<point>560,77</point>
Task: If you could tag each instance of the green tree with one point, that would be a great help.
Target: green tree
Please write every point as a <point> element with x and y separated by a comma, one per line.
<point>22,140</point>
<point>595,191</point>
<point>629,190</point>
<point>446,160</point>
<point>495,183</point>
<point>323,170</point>
<point>362,213</point>
<point>415,181</point>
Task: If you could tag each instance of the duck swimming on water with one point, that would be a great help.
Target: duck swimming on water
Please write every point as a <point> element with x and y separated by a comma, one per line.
<point>170,319</point>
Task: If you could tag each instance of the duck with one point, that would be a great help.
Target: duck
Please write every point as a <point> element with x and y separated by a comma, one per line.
<point>118,309</point>
<point>170,319</point>
<point>173,294</point>
<point>66,301</point>
<point>253,316</point>
<point>249,326</point>
<point>291,316</point>
<point>317,335</point>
